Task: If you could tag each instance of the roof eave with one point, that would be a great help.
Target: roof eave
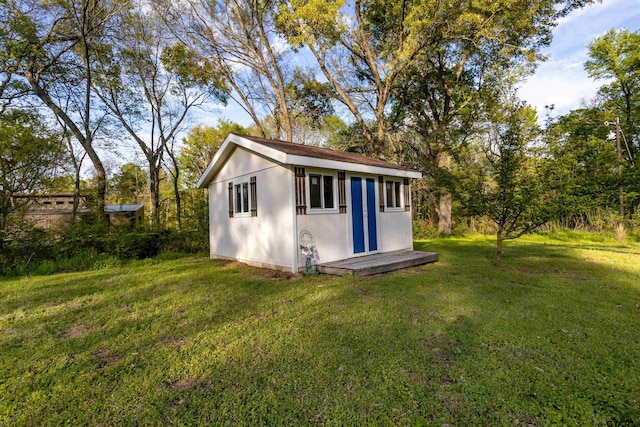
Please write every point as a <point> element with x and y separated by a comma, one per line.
<point>351,167</point>
<point>280,157</point>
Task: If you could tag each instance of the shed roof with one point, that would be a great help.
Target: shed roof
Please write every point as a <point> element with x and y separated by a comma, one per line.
<point>288,153</point>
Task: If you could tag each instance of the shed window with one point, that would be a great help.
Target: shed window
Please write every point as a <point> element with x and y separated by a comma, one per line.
<point>238,198</point>
<point>392,193</point>
<point>321,191</point>
<point>242,197</point>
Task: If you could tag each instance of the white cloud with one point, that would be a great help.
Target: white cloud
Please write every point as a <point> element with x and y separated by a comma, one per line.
<point>563,83</point>
<point>562,80</point>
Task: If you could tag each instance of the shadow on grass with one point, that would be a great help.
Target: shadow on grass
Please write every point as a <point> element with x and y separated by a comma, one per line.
<point>549,338</point>
<point>431,348</point>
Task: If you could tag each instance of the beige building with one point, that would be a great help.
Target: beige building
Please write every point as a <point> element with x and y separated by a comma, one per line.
<point>55,210</point>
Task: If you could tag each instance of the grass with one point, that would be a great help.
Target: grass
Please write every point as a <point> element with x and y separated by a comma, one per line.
<point>552,337</point>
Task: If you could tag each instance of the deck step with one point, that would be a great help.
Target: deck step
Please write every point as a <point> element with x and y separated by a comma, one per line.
<point>378,263</point>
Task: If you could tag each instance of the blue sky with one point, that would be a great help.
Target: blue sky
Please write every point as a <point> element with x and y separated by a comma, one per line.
<point>561,80</point>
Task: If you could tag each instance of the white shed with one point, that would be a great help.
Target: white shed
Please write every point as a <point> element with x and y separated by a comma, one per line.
<point>271,202</point>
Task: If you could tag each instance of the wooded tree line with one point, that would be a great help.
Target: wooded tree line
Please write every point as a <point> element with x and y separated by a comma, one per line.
<point>429,84</point>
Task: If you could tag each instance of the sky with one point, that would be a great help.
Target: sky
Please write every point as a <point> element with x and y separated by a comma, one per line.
<point>561,80</point>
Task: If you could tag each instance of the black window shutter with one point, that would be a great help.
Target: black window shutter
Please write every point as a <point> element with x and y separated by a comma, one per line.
<point>407,195</point>
<point>381,192</point>
<point>301,192</point>
<point>254,196</point>
<point>342,192</point>
<point>231,200</point>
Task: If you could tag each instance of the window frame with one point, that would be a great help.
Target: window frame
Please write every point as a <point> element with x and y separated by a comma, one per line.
<point>241,199</point>
<point>397,196</point>
<point>323,175</point>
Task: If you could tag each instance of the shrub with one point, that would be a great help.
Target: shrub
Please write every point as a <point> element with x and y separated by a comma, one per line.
<point>25,248</point>
<point>185,241</point>
<point>423,230</point>
<point>86,246</point>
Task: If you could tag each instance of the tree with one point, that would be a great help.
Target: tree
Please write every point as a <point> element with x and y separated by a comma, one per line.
<point>616,56</point>
<point>577,143</point>
<point>310,107</point>
<point>50,47</point>
<point>197,151</point>
<point>29,158</point>
<point>129,184</point>
<point>447,85</point>
<point>362,57</point>
<point>201,144</point>
<point>506,177</point>
<point>427,57</point>
<point>239,38</point>
<point>150,84</point>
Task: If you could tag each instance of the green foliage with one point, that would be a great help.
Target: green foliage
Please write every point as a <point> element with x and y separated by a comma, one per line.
<point>127,243</point>
<point>24,249</point>
<point>129,184</point>
<point>349,138</point>
<point>49,48</point>
<point>550,339</point>
<point>194,71</point>
<point>615,55</point>
<point>423,230</point>
<point>201,144</point>
<point>305,21</point>
<point>195,212</point>
<point>509,179</point>
<point>310,98</point>
<point>578,144</point>
<point>85,246</point>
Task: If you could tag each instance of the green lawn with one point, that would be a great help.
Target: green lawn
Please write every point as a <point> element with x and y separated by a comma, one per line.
<point>552,337</point>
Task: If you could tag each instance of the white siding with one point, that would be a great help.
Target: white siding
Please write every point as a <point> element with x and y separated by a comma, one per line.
<point>266,240</point>
<point>395,231</point>
<point>330,232</point>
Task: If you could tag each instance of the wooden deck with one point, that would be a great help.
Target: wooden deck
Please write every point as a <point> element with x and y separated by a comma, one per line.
<point>378,263</point>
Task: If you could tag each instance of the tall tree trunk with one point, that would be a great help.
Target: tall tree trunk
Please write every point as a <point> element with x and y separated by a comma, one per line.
<point>101,191</point>
<point>77,166</point>
<point>380,141</point>
<point>176,191</point>
<point>445,200</point>
<point>5,206</point>
<point>86,140</point>
<point>444,213</point>
<point>154,190</point>
<point>76,192</point>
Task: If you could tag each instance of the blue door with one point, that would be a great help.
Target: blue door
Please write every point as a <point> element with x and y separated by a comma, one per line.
<point>363,216</point>
<point>357,215</point>
<point>371,215</point>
